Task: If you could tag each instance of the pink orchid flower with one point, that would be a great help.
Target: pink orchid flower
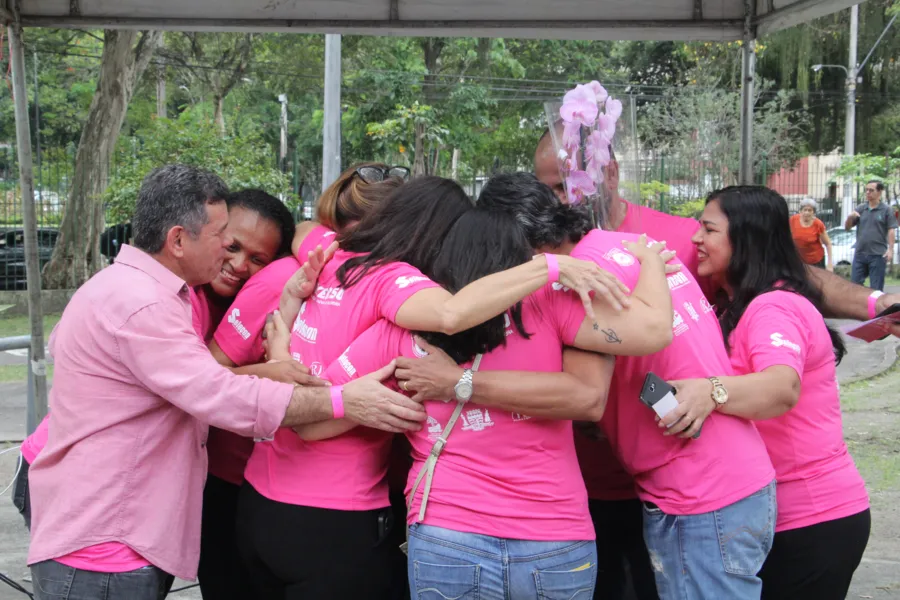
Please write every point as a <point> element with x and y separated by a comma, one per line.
<point>606,125</point>
<point>579,105</point>
<point>614,108</point>
<point>571,137</point>
<point>596,151</point>
<point>600,93</point>
<point>578,185</point>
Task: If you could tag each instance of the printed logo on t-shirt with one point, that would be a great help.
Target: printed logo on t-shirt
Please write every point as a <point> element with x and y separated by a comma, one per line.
<point>306,333</point>
<point>316,369</point>
<point>417,350</point>
<point>558,287</point>
<point>434,428</point>
<point>329,234</point>
<point>235,321</point>
<point>404,282</point>
<point>519,417</point>
<point>477,420</point>
<point>690,310</point>
<point>707,307</point>
<point>297,356</point>
<point>348,367</point>
<point>678,324</point>
<point>329,296</point>
<point>620,257</point>
<point>507,325</point>
<point>677,280</point>
<point>778,341</point>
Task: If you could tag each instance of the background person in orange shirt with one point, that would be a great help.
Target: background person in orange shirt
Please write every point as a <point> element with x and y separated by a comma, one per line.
<point>809,235</point>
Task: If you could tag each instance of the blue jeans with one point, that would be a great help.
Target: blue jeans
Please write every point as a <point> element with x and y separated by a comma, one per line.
<point>466,566</point>
<point>55,581</point>
<point>714,555</point>
<point>871,265</point>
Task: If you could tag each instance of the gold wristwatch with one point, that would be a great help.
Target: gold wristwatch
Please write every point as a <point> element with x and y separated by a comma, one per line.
<point>719,393</point>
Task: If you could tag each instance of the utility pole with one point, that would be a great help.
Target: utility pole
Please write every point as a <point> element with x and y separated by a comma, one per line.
<point>37,120</point>
<point>850,131</point>
<point>331,130</point>
<point>282,155</point>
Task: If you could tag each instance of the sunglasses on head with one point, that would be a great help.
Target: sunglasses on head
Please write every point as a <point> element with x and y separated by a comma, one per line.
<point>379,174</point>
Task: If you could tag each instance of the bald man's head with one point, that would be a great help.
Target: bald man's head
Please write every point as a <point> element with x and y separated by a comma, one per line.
<point>547,167</point>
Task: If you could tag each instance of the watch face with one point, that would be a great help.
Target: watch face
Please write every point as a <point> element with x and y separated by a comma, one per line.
<point>463,390</point>
<point>720,395</point>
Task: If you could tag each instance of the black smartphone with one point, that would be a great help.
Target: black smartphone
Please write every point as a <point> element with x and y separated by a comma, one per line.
<point>659,396</point>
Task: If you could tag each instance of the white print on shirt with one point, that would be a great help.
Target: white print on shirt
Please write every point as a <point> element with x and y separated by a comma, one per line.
<point>678,324</point>
<point>236,323</point>
<point>507,325</point>
<point>677,280</point>
<point>297,356</point>
<point>417,350</point>
<point>348,367</point>
<point>329,234</point>
<point>519,417</point>
<point>558,287</point>
<point>316,369</point>
<point>707,307</point>
<point>404,282</point>
<point>306,333</point>
<point>620,257</point>
<point>778,341</point>
<point>329,296</point>
<point>693,313</point>
<point>476,420</point>
<point>434,429</point>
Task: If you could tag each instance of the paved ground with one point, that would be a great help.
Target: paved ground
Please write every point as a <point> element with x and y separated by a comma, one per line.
<point>872,428</point>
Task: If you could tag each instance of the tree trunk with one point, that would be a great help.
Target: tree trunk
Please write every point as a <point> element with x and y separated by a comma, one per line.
<point>219,116</point>
<point>161,111</point>
<point>454,165</point>
<point>419,157</point>
<point>76,256</point>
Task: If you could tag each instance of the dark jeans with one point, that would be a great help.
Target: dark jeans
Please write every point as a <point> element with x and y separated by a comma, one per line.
<point>221,572</point>
<point>55,581</point>
<point>304,553</point>
<point>871,266</point>
<point>20,494</point>
<point>621,551</point>
<point>816,561</point>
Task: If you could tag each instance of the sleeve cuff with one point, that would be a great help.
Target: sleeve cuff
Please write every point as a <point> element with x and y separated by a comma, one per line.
<point>272,405</point>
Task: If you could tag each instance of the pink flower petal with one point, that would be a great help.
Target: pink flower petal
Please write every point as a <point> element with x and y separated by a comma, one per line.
<point>614,108</point>
<point>579,105</point>
<point>606,125</point>
<point>578,185</point>
<point>599,91</point>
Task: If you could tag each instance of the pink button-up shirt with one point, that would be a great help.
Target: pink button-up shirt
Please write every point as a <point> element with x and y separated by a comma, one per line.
<point>133,394</point>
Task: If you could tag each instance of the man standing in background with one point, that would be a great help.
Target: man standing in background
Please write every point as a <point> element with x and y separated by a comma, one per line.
<point>875,236</point>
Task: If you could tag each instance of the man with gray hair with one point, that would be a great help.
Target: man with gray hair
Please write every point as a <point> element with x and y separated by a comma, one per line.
<point>117,491</point>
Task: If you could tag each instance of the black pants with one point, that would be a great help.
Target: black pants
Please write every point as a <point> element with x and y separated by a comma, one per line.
<point>304,553</point>
<point>399,572</point>
<point>221,572</point>
<point>621,551</point>
<point>816,561</point>
<point>21,496</point>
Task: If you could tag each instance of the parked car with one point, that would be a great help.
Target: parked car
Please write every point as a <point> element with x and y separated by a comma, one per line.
<point>12,255</point>
<point>843,243</point>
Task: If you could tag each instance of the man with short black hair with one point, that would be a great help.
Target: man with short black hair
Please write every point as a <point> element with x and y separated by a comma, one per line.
<point>117,490</point>
<point>875,235</point>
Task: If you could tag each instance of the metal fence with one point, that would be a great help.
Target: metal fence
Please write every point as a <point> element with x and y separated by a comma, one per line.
<point>23,342</point>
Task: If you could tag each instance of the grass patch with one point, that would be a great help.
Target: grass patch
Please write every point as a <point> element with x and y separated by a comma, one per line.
<point>13,326</point>
<point>16,373</point>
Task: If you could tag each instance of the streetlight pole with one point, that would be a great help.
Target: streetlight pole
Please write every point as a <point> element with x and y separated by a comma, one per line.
<point>850,131</point>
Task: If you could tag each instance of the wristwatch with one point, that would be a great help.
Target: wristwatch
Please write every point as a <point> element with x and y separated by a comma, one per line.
<point>463,388</point>
<point>719,393</point>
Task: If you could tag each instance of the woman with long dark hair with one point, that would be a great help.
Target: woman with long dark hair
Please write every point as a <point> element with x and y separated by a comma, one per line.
<point>784,356</point>
<point>313,512</point>
<point>507,513</point>
<point>708,513</point>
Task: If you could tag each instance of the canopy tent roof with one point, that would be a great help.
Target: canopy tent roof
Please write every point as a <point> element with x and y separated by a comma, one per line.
<point>715,20</point>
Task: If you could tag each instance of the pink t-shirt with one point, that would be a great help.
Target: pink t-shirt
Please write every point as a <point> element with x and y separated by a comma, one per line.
<point>604,475</point>
<point>729,460</point>
<point>114,557</point>
<point>34,443</point>
<point>501,474</point>
<point>817,480</point>
<point>239,336</point>
<point>346,472</point>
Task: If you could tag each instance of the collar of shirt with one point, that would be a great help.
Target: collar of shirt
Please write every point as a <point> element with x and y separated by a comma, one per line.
<point>138,259</point>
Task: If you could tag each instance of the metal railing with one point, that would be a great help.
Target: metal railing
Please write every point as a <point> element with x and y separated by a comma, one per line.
<point>23,342</point>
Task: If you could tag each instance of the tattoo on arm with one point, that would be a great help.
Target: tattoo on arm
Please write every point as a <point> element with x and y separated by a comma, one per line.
<point>611,336</point>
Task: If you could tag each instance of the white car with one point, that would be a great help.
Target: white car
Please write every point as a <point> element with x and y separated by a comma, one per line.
<point>843,243</point>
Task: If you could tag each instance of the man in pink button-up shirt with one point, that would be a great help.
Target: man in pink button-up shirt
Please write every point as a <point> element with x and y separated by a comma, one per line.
<point>117,492</point>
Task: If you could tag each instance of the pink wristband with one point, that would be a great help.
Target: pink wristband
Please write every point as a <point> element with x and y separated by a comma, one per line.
<point>337,401</point>
<point>552,268</point>
<point>873,298</point>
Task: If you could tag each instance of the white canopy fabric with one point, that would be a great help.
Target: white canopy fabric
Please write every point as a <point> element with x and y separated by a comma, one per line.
<point>715,20</point>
